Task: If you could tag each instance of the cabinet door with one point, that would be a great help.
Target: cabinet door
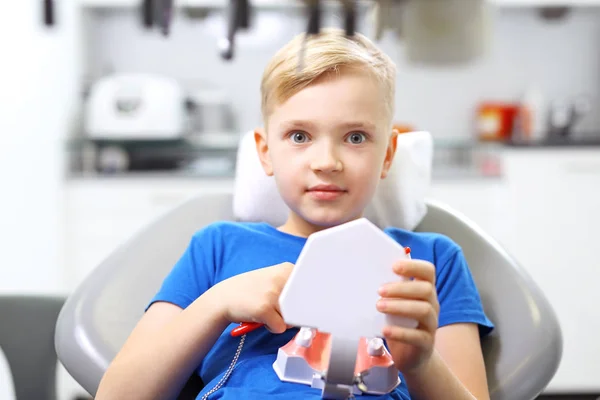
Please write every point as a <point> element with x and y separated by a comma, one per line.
<point>480,199</point>
<point>103,214</point>
<point>555,207</point>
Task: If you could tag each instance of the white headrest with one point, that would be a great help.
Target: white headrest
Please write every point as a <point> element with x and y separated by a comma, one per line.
<point>399,200</point>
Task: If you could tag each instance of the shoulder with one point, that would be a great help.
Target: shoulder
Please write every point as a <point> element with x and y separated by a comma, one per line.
<point>457,292</point>
<point>226,234</point>
<point>228,229</point>
<point>430,246</point>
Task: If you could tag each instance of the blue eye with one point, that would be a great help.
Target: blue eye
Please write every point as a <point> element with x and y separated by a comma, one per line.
<point>299,137</point>
<point>357,138</point>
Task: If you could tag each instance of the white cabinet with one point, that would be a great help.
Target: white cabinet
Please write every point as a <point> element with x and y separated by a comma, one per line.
<point>554,204</point>
<point>545,212</point>
<point>481,200</point>
<point>103,213</point>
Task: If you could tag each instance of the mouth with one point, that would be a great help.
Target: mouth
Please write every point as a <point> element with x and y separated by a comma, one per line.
<point>326,192</point>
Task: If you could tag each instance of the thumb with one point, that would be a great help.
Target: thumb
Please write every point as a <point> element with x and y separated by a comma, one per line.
<point>279,325</point>
<point>274,323</point>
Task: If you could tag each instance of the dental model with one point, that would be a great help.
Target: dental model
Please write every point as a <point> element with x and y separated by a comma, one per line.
<point>305,360</point>
<point>331,294</point>
<point>339,349</point>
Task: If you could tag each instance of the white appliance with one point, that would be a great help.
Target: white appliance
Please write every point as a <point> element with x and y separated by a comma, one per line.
<point>136,107</point>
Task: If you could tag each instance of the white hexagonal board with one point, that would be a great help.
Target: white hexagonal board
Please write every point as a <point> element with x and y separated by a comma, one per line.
<point>333,286</point>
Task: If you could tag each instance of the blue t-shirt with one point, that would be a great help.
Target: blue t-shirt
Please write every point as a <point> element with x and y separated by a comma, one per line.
<point>225,249</point>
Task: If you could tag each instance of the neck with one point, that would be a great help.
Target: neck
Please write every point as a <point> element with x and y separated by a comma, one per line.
<point>297,226</point>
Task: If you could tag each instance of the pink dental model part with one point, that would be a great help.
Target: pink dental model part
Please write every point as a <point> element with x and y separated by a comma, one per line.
<point>305,360</point>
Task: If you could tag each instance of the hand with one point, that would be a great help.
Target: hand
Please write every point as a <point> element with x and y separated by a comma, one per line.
<point>416,299</point>
<point>254,296</point>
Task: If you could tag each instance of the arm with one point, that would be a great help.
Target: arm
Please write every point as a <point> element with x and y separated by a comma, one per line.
<point>437,362</point>
<point>456,368</point>
<point>169,343</point>
<point>163,350</point>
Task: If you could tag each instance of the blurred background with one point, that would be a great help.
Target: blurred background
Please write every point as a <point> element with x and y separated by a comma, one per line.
<point>516,129</point>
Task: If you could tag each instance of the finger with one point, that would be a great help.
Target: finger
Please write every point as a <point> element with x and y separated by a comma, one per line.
<point>415,337</point>
<point>417,269</point>
<point>422,311</point>
<point>269,314</point>
<point>417,290</point>
<point>274,322</point>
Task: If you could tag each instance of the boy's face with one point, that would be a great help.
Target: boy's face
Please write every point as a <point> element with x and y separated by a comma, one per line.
<point>327,147</point>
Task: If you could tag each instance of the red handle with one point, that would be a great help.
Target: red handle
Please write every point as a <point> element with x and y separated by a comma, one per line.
<point>245,327</point>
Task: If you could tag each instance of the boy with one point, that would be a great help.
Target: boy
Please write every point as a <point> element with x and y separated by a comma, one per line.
<point>327,140</point>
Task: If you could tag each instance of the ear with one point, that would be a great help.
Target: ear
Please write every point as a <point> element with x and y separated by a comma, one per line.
<point>390,152</point>
<point>262,148</point>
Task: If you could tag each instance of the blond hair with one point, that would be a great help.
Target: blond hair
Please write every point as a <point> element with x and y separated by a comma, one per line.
<point>329,52</point>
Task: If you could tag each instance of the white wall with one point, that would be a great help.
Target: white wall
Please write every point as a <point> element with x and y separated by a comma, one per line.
<point>561,57</point>
<point>38,85</point>
<point>39,81</point>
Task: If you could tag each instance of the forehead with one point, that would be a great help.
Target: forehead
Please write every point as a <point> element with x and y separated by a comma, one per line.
<point>349,98</point>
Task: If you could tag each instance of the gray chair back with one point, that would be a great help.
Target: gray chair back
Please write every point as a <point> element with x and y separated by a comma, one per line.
<point>103,310</point>
<point>100,314</point>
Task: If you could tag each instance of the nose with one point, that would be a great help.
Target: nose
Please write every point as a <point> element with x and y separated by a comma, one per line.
<point>326,159</point>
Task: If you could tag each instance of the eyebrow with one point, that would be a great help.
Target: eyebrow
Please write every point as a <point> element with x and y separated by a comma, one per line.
<point>311,126</point>
<point>358,125</point>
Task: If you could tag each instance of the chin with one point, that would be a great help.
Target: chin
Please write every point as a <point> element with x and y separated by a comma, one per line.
<point>327,219</point>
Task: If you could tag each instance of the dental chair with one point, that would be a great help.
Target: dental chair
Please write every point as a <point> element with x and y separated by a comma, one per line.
<point>521,355</point>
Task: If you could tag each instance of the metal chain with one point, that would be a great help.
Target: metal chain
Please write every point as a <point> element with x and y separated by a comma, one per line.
<point>229,370</point>
<point>358,379</point>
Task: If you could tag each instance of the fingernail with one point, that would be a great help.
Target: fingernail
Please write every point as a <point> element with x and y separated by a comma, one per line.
<point>381,291</point>
<point>381,304</point>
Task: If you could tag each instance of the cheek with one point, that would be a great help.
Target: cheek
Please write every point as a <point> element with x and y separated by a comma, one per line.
<point>284,160</point>
<point>366,172</point>
<point>367,165</point>
<point>287,167</point>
